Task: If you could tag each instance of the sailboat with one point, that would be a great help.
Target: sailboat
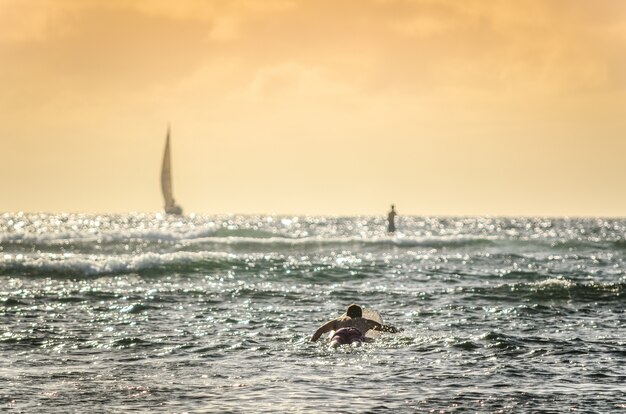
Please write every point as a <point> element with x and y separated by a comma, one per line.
<point>166,180</point>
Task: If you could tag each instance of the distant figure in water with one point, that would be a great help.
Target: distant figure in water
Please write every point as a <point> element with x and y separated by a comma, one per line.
<point>350,328</point>
<point>391,219</point>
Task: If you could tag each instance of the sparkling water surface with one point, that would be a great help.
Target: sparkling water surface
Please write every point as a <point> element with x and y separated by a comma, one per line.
<point>153,313</point>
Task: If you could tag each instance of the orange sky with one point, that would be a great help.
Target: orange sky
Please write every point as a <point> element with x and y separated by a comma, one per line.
<point>443,107</point>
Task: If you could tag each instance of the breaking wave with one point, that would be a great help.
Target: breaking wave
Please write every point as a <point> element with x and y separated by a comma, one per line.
<point>72,265</point>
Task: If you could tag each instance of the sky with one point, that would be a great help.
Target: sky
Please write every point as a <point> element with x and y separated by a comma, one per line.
<point>333,107</point>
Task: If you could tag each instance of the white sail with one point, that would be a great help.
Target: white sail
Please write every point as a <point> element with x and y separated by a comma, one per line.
<point>166,180</point>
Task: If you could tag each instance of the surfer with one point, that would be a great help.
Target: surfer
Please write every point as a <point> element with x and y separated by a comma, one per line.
<point>350,328</point>
<point>391,217</point>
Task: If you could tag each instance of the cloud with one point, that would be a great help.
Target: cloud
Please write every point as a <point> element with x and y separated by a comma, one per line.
<point>35,21</point>
<point>294,79</point>
<point>40,20</point>
<point>227,17</point>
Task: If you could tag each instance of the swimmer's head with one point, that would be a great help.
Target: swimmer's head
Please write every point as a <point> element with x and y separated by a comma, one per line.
<point>354,311</point>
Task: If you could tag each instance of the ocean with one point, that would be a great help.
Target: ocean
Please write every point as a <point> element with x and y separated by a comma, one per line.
<point>153,313</point>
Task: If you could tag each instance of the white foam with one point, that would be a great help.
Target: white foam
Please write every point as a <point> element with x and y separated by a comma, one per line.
<point>554,282</point>
<point>111,236</point>
<point>90,264</point>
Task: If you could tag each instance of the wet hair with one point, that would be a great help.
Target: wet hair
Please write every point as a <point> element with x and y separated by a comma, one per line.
<point>354,311</point>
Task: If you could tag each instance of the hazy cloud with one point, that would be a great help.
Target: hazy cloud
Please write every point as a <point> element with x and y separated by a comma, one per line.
<point>382,93</point>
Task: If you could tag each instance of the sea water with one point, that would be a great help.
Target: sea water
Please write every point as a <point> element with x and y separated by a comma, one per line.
<point>154,313</point>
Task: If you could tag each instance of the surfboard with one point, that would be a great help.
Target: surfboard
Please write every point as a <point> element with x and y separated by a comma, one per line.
<point>373,315</point>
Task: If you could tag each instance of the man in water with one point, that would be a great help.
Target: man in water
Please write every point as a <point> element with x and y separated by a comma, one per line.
<point>350,328</point>
<point>391,217</point>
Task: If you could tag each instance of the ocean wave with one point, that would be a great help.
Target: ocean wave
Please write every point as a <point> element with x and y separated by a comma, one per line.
<point>594,243</point>
<point>432,242</point>
<point>553,289</point>
<point>91,237</point>
<point>236,238</point>
<point>274,265</point>
<point>70,264</point>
